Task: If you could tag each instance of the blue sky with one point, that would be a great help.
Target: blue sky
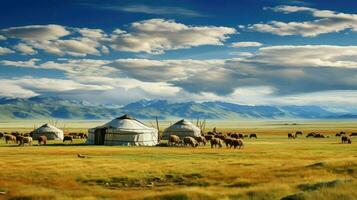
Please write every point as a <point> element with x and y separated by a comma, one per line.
<point>251,52</point>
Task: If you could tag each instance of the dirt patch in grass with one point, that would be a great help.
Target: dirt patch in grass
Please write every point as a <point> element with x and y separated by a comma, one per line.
<point>319,185</point>
<point>167,180</point>
<point>298,196</point>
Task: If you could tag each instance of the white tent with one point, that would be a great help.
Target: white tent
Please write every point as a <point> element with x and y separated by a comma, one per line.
<point>51,132</point>
<point>182,129</point>
<point>125,131</point>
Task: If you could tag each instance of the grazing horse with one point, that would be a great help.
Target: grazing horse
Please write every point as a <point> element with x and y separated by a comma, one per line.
<point>253,135</point>
<point>68,138</point>
<point>25,140</point>
<point>2,135</point>
<point>10,138</point>
<point>291,136</point>
<point>42,139</point>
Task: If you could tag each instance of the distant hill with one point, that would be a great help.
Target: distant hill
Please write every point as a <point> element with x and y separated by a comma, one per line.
<point>53,107</point>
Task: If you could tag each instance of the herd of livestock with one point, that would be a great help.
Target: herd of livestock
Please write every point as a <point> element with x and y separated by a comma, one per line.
<point>216,139</point>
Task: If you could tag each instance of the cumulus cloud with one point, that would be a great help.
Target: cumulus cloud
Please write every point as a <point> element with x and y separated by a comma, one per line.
<point>4,50</point>
<point>327,22</point>
<point>155,36</point>
<point>25,49</point>
<point>28,86</point>
<point>36,32</point>
<point>246,44</point>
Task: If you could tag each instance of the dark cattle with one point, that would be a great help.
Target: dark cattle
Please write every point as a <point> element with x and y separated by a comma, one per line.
<point>234,135</point>
<point>246,135</point>
<point>342,133</point>
<point>18,138</point>
<point>216,142</point>
<point>353,134</point>
<point>237,143</point>
<point>190,141</point>
<point>253,135</point>
<point>208,137</point>
<point>2,135</point>
<point>42,140</point>
<point>201,139</point>
<point>291,136</point>
<point>68,138</point>
<point>211,133</point>
<point>240,135</point>
<point>82,135</point>
<point>338,135</point>
<point>228,142</point>
<point>10,138</point>
<point>318,135</point>
<point>220,136</point>
<point>312,134</point>
<point>345,139</point>
<point>174,140</point>
<point>298,133</point>
<point>25,140</point>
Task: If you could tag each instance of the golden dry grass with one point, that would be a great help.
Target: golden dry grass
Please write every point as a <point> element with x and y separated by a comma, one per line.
<point>271,167</point>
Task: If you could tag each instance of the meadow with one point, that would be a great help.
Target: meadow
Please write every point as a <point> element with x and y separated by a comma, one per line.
<point>270,167</point>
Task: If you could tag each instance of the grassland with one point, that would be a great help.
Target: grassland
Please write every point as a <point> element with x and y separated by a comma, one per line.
<point>271,167</point>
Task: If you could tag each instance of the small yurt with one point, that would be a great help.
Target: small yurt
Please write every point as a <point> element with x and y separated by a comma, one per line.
<point>51,132</point>
<point>124,131</point>
<point>182,129</point>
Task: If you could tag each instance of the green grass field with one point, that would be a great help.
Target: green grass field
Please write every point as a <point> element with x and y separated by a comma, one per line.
<point>270,167</point>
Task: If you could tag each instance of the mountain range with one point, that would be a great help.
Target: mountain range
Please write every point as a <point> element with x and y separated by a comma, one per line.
<point>53,107</point>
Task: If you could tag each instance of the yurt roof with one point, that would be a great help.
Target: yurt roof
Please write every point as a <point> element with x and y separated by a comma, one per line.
<point>47,128</point>
<point>126,122</point>
<point>183,124</point>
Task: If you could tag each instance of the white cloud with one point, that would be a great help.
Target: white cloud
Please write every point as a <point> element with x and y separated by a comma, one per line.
<point>155,36</point>
<point>2,37</point>
<point>246,44</point>
<point>25,49</point>
<point>4,50</point>
<point>36,32</point>
<point>327,22</point>
<point>156,10</point>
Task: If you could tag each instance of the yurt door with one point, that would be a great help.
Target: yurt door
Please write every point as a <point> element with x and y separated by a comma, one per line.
<point>99,137</point>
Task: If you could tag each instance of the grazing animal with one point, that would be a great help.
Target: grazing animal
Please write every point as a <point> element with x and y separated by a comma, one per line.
<point>298,133</point>
<point>312,134</point>
<point>346,139</point>
<point>42,140</point>
<point>342,133</point>
<point>211,133</point>
<point>25,140</point>
<point>216,142</point>
<point>2,135</point>
<point>353,134</point>
<point>291,136</point>
<point>338,135</point>
<point>190,141</point>
<point>10,138</point>
<point>234,135</point>
<point>68,138</point>
<point>201,139</point>
<point>246,135</point>
<point>81,156</point>
<point>18,138</point>
<point>228,141</point>
<point>220,136</point>
<point>208,137</point>
<point>253,135</point>
<point>174,140</point>
<point>237,143</point>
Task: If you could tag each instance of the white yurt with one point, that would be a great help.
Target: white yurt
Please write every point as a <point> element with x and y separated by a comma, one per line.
<point>125,131</point>
<point>182,129</point>
<point>51,132</point>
